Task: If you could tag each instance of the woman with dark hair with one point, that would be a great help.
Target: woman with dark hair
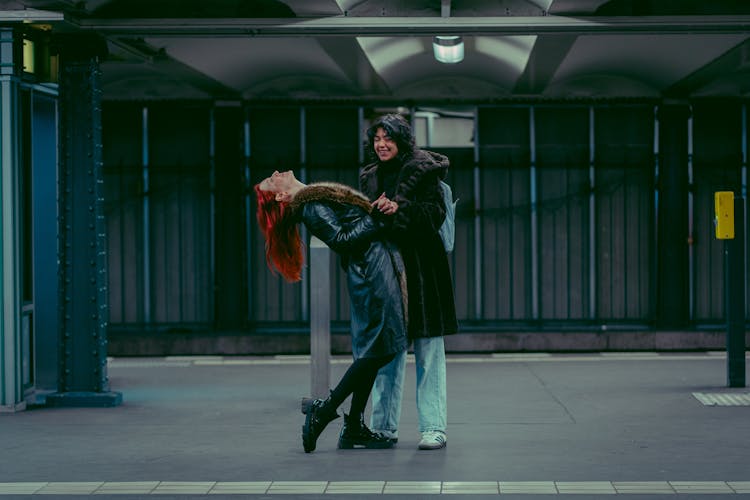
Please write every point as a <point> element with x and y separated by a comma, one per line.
<point>409,176</point>
<point>340,217</point>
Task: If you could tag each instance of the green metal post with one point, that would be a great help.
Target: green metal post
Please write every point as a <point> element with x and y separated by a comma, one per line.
<point>11,392</point>
<point>83,377</point>
<point>734,267</point>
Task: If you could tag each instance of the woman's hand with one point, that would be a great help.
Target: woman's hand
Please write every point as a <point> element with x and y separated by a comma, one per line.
<point>384,205</point>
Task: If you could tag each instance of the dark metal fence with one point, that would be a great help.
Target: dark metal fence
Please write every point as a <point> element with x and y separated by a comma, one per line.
<point>555,223</point>
<point>158,210</point>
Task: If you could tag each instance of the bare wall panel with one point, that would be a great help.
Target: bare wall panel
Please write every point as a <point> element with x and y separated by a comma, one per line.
<point>505,194</point>
<point>123,209</point>
<point>717,158</point>
<point>562,145</point>
<point>274,145</point>
<point>180,214</point>
<point>624,168</point>
<point>332,145</point>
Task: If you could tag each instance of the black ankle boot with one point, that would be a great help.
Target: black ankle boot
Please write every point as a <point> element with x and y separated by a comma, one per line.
<point>355,434</point>
<point>317,416</point>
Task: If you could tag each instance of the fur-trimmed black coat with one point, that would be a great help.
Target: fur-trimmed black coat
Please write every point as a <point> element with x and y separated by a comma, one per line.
<point>414,228</point>
<point>340,217</point>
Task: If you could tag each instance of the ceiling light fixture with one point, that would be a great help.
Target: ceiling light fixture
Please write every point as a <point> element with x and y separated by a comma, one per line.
<point>448,49</point>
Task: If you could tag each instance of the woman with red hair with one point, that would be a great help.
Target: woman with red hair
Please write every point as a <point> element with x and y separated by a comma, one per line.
<point>344,220</point>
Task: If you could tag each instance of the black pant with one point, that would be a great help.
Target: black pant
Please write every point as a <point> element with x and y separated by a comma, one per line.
<point>358,381</point>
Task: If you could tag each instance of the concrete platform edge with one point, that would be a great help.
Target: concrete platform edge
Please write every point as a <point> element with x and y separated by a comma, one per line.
<point>220,343</point>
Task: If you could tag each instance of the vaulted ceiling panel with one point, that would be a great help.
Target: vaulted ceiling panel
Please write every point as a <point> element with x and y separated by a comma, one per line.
<point>248,63</point>
<point>646,61</point>
<point>490,67</point>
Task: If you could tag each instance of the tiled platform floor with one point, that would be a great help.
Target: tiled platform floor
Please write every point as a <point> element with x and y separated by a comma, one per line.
<point>521,426</point>
<point>594,488</point>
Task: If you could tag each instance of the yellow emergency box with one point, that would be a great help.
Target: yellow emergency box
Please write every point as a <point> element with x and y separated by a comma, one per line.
<point>724,221</point>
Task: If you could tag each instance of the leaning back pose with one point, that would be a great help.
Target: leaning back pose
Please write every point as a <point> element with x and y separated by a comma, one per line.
<point>344,220</point>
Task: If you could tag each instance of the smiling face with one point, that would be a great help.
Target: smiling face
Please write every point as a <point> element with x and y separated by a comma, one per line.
<point>384,146</point>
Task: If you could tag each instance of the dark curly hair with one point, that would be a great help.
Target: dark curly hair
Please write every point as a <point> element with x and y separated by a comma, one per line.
<point>397,129</point>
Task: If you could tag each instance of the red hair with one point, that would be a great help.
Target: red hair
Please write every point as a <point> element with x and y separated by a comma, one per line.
<point>284,249</point>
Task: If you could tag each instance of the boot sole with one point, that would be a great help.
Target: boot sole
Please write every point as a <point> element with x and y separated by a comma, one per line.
<point>308,444</point>
<point>350,445</point>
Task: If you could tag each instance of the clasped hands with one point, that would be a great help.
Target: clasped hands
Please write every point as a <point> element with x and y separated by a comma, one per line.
<point>386,206</point>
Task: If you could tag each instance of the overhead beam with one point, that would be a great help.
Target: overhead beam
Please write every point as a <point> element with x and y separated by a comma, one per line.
<point>30,16</point>
<point>546,56</point>
<point>309,8</point>
<point>418,26</point>
<point>163,64</point>
<point>445,8</point>
<point>734,59</point>
<point>353,61</point>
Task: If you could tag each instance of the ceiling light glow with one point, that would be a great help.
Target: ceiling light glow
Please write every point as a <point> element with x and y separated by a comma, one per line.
<point>448,49</point>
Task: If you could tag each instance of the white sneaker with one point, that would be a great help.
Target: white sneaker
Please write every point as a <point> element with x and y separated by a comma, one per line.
<point>433,440</point>
<point>392,436</point>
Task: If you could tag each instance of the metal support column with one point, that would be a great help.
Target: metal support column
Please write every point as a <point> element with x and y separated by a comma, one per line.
<point>734,295</point>
<point>478,256</point>
<point>656,242</point>
<point>744,193</point>
<point>305,289</point>
<point>592,218</point>
<point>212,213</point>
<point>672,285</point>
<point>83,377</point>
<point>248,213</point>
<point>45,325</point>
<point>691,224</point>
<point>146,219</point>
<point>533,218</point>
<point>11,392</point>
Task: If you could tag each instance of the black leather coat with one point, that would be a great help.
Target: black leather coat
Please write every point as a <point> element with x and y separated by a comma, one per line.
<point>414,228</point>
<point>340,217</point>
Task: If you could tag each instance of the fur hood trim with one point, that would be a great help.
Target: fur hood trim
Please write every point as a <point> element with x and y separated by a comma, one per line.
<point>329,191</point>
<point>429,161</point>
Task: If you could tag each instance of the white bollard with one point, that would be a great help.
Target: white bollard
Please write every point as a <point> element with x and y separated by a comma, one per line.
<point>320,318</point>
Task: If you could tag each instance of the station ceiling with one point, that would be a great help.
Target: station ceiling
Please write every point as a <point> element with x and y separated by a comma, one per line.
<point>382,50</point>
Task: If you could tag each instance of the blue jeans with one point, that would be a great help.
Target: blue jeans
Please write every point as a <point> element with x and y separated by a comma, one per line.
<point>429,355</point>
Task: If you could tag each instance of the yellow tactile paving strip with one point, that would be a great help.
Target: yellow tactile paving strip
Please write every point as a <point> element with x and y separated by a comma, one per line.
<point>723,398</point>
<point>594,488</point>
